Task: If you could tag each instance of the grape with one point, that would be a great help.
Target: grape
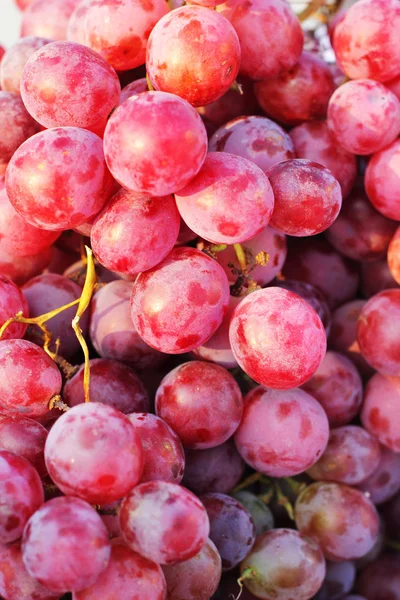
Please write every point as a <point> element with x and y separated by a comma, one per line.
<point>339,580</point>
<point>21,494</point>
<point>376,276</point>
<point>48,18</point>
<point>380,415</point>
<point>337,386</point>
<point>307,197</point>
<point>381,580</point>
<point>217,469</point>
<point>384,482</point>
<point>196,578</point>
<point>12,301</point>
<point>132,89</point>
<point>201,402</point>
<point>360,232</point>
<point>282,433</point>
<point>122,45</point>
<point>129,576</point>
<point>270,36</point>
<point>376,332</point>
<point>391,515</point>
<point>16,125</point>
<point>352,455</point>
<point>111,383</point>
<point>365,40</point>
<point>168,509</point>
<point>28,378</point>
<point>354,597</point>
<point>14,60</point>
<point>47,292</point>
<point>315,261</point>
<point>205,204</point>
<point>112,331</point>
<point>135,232</point>
<point>24,437</point>
<point>313,296</point>
<point>21,269</point>
<point>193,52</point>
<point>381,181</point>
<point>66,84</point>
<point>23,4</point>
<point>179,305</point>
<point>314,141</point>
<point>284,565</point>
<point>299,94</point>
<point>393,259</point>
<point>394,86</point>
<point>277,338</point>
<point>39,182</point>
<point>269,240</point>
<point>185,234</point>
<point>259,511</point>
<point>163,454</point>
<point>256,138</point>
<point>155,143</point>
<point>65,545</point>
<point>93,452</point>
<point>339,518</point>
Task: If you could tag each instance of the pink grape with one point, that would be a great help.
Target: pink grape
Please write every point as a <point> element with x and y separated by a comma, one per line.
<point>283,564</point>
<point>23,4</point>
<point>155,143</point>
<point>193,52</point>
<point>21,269</point>
<point>66,84</point>
<point>201,402</point>
<point>307,197</point>
<point>337,386</point>
<point>384,483</point>
<point>259,511</point>
<point>312,295</point>
<point>48,18</point>
<point>163,455</point>
<point>111,383</point>
<point>217,469</point>
<point>351,456</point>
<point>270,36</point>
<point>277,338</point>
<point>185,234</point>
<point>29,378</point>
<point>93,452</point>
<point>205,204</point>
<point>231,528</point>
<point>339,518</point>
<point>12,301</point>
<point>168,509</point>
<point>123,45</point>
<point>128,575</point>
<point>314,141</point>
<point>381,579</point>
<point>299,94</point>
<point>256,138</point>
<point>21,495</point>
<point>135,232</point>
<point>365,40</point>
<point>378,276</point>
<point>379,413</point>
<point>14,61</point>
<point>41,187</point>
<point>112,331</point>
<point>24,437</point>
<point>381,181</point>
<point>132,89</point>
<point>196,578</point>
<point>339,579</point>
<point>16,125</point>
<point>189,291</point>
<point>65,545</point>
<point>364,116</point>
<point>282,433</point>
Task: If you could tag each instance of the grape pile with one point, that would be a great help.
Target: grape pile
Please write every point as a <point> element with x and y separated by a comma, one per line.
<point>200,301</point>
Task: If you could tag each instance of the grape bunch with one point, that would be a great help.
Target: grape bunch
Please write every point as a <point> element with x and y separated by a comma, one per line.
<point>200,301</point>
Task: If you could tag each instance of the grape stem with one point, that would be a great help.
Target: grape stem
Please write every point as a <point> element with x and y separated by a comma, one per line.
<point>247,574</point>
<point>283,500</point>
<point>149,84</point>
<point>57,402</point>
<point>241,256</point>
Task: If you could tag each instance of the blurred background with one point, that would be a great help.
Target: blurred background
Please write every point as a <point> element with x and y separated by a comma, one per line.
<point>9,22</point>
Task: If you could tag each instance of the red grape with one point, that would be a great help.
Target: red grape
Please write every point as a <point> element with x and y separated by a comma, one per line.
<point>163,454</point>
<point>188,291</point>
<point>381,181</point>
<point>314,141</point>
<point>259,511</point>
<point>122,44</point>
<point>394,86</point>
<point>231,528</point>
<point>167,510</point>
<point>14,60</point>
<point>270,35</point>
<point>193,52</point>
<point>94,452</point>
<point>65,545</point>
<point>299,94</point>
<point>155,143</point>
<point>381,581</point>
<point>48,18</point>
<point>21,269</point>
<point>277,338</point>
<point>380,413</point>
<point>132,89</point>
<point>42,188</point>
<point>341,519</point>
<point>205,204</point>
<point>313,296</point>
<point>377,276</point>
<point>201,402</point>
<point>339,579</point>
<point>12,301</point>
<point>24,437</point>
<point>66,84</point>
<point>129,576</point>
<point>384,482</point>
<point>23,4</point>
<point>282,433</point>
<point>284,565</point>
<point>393,257</point>
<point>16,125</point>
<point>196,578</point>
<point>134,232</point>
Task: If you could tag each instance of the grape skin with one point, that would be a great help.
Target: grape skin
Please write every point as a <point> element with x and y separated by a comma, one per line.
<point>12,301</point>
<point>16,125</point>
<point>381,181</point>
<point>313,296</point>
<point>339,580</point>
<point>378,275</point>
<point>381,579</point>
<point>15,59</point>
<point>384,482</point>
<point>47,18</point>
<point>380,414</point>
<point>21,269</point>
<point>24,437</point>
<point>132,89</point>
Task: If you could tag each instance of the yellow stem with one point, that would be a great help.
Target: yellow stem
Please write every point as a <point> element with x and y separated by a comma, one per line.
<point>149,84</point>
<point>240,255</point>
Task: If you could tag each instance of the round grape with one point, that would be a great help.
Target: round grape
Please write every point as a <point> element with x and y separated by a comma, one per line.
<point>384,482</point>
<point>24,437</point>
<point>312,295</point>
<point>14,61</point>
<point>380,414</point>
<point>381,579</point>
<point>378,276</point>
<point>259,511</point>
<point>16,125</point>
<point>48,18</point>
<point>339,580</point>
<point>381,181</point>
<point>12,301</point>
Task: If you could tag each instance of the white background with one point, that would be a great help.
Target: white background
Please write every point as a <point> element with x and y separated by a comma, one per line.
<point>9,22</point>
